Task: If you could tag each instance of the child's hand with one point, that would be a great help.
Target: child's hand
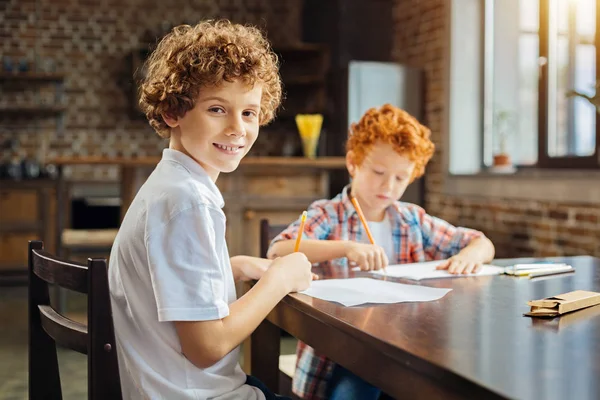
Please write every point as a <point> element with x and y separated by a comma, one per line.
<point>293,271</point>
<point>367,256</point>
<point>460,264</point>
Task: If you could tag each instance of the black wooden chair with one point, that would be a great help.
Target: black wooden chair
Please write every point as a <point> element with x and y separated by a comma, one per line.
<point>268,233</point>
<point>47,327</point>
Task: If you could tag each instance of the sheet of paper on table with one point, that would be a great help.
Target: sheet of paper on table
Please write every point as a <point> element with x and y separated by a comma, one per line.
<point>426,270</point>
<point>356,291</point>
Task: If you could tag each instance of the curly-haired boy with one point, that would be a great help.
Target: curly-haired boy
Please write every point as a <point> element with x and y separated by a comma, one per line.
<point>386,151</point>
<point>178,324</point>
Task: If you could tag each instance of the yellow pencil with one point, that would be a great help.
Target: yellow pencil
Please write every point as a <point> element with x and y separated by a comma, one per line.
<point>300,232</point>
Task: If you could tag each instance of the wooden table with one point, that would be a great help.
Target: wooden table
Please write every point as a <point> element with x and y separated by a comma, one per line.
<point>472,343</point>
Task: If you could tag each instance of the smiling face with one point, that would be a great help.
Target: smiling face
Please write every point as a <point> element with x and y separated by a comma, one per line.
<point>380,179</point>
<point>221,128</point>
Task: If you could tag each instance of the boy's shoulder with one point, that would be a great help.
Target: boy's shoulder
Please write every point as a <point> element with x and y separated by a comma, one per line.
<point>172,188</point>
<point>417,217</point>
<point>409,212</point>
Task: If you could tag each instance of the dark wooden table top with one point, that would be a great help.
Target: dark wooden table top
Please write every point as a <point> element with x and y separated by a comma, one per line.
<point>476,337</point>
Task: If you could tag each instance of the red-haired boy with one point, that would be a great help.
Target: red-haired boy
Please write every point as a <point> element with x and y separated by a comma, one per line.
<point>386,151</point>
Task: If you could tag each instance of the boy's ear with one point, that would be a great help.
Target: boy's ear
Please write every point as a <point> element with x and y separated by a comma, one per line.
<point>350,164</point>
<point>171,121</point>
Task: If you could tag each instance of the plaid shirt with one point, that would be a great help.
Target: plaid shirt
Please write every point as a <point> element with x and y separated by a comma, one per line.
<point>417,237</point>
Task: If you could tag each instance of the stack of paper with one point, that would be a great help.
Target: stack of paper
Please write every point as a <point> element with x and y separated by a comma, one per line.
<point>355,291</point>
<point>427,270</point>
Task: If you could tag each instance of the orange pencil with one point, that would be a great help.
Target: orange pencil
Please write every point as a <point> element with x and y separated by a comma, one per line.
<point>362,219</point>
<point>300,232</point>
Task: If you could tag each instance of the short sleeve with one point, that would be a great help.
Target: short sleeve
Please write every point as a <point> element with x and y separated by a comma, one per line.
<point>317,226</point>
<point>186,266</point>
<point>441,239</point>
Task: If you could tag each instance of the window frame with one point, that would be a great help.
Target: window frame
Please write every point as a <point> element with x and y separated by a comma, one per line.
<point>544,160</point>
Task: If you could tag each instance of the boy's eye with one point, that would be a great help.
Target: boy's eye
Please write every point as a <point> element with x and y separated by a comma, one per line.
<point>218,110</point>
<point>249,113</point>
<point>378,172</point>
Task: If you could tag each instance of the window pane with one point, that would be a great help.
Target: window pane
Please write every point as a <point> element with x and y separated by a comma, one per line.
<point>574,133</point>
<point>585,113</point>
<point>529,15</point>
<point>558,139</point>
<point>514,121</point>
<point>563,16</point>
<point>586,17</point>
<point>526,149</point>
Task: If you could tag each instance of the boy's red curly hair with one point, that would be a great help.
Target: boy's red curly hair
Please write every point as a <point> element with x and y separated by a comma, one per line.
<point>191,57</point>
<point>392,125</point>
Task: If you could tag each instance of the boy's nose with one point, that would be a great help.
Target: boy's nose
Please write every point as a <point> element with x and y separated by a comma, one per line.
<point>237,128</point>
<point>388,183</point>
<point>237,132</point>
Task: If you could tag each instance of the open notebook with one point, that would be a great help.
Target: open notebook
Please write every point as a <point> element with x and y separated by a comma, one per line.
<point>426,270</point>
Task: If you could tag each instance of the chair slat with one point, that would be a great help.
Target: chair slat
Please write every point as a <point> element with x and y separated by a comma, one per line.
<point>64,331</point>
<point>275,230</point>
<point>102,346</point>
<point>268,233</point>
<point>44,377</point>
<point>65,274</point>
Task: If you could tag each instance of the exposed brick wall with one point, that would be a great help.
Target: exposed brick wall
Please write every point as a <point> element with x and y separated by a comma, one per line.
<point>90,41</point>
<point>518,228</point>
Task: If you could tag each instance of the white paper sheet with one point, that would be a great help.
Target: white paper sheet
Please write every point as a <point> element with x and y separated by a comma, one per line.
<point>355,291</point>
<point>426,270</point>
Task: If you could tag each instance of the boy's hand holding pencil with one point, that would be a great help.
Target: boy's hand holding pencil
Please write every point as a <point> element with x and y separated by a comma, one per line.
<point>294,271</point>
<point>367,257</point>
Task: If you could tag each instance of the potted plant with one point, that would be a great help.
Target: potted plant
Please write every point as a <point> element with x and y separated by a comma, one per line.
<point>503,127</point>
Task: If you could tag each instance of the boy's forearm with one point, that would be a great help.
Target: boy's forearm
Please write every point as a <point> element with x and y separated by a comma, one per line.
<point>206,342</point>
<point>315,250</point>
<point>481,249</point>
<point>246,313</point>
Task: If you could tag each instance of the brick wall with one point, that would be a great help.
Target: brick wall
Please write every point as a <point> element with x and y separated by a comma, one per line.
<point>91,41</point>
<point>517,227</point>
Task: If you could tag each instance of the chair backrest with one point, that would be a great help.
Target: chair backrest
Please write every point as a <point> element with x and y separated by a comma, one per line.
<point>47,327</point>
<point>268,233</point>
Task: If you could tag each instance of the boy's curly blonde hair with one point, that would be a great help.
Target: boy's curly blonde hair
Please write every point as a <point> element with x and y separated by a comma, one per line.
<point>392,125</point>
<point>191,57</point>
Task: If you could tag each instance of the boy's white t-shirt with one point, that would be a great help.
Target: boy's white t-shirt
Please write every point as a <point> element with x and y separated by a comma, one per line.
<point>170,262</point>
<point>382,235</point>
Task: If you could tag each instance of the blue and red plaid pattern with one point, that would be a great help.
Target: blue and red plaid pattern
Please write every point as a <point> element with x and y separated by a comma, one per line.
<point>417,237</point>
